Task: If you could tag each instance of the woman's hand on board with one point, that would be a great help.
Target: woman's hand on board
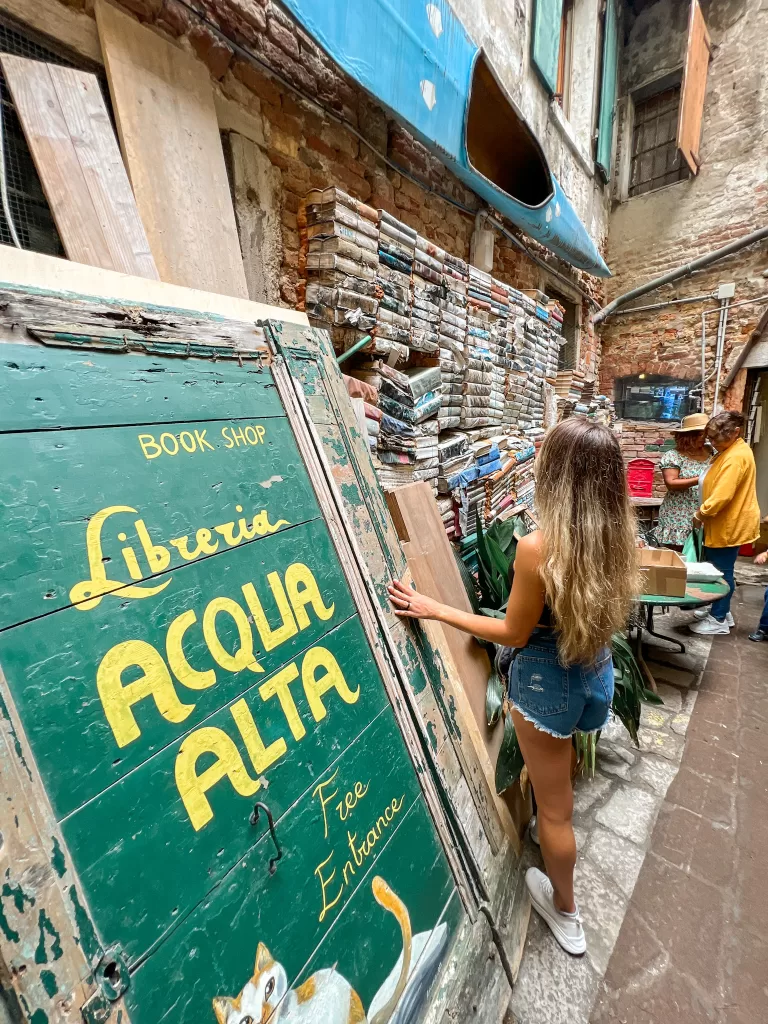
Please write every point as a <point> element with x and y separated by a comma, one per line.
<point>410,604</point>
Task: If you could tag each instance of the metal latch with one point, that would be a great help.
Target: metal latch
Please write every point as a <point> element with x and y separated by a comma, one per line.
<point>112,980</point>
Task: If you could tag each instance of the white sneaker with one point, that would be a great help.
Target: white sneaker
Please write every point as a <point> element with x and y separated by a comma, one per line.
<point>533,830</point>
<point>566,928</point>
<point>709,627</point>
<point>702,613</point>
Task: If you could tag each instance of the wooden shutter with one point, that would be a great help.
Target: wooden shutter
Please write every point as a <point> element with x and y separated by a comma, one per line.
<point>545,40</point>
<point>694,87</point>
<point>608,89</point>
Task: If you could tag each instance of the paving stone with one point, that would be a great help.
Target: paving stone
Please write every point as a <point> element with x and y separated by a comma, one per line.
<point>685,677</point>
<point>611,762</point>
<point>589,792</point>
<point>630,813</point>
<point>602,905</point>
<point>672,697</point>
<point>679,724</point>
<point>663,743</point>
<point>552,987</point>
<point>582,837</point>
<point>614,732</point>
<point>652,717</point>
<point>656,773</point>
<point>618,859</point>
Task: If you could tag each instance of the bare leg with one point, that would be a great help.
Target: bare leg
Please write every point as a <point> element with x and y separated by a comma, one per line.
<point>549,766</point>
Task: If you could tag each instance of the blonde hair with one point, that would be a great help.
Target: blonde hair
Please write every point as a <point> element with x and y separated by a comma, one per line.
<point>589,566</point>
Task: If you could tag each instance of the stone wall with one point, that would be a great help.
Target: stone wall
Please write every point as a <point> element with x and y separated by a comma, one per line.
<point>657,232</point>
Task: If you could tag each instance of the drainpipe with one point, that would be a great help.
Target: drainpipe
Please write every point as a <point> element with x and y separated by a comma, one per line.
<point>684,271</point>
<point>703,357</point>
<point>720,348</point>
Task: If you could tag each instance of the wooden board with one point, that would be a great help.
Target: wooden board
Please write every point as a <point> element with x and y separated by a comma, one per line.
<point>158,711</point>
<point>473,749</point>
<point>694,87</point>
<point>433,564</point>
<point>70,136</point>
<point>163,103</point>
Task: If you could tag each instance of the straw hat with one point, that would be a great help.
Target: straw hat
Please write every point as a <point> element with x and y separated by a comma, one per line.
<point>696,422</point>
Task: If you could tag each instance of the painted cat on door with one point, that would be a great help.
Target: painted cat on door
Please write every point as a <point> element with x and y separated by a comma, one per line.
<point>326,997</point>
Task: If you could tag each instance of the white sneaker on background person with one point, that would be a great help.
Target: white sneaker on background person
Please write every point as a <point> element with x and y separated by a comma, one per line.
<point>702,613</point>
<point>566,928</point>
<point>709,627</point>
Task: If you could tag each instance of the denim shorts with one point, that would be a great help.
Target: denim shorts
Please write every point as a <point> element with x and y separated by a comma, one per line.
<point>560,700</point>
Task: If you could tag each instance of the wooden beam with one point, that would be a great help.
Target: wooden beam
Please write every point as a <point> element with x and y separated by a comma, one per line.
<point>166,118</point>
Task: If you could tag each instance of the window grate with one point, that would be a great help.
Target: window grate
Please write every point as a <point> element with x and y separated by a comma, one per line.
<point>656,160</point>
<point>28,206</point>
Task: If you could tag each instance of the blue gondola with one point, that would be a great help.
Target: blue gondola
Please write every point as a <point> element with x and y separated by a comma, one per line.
<point>417,59</point>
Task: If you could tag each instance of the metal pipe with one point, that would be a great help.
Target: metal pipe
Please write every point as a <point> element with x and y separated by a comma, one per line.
<point>703,357</point>
<point>720,349</point>
<point>545,266</point>
<point>355,348</point>
<point>498,942</point>
<point>662,305</point>
<point>684,271</point>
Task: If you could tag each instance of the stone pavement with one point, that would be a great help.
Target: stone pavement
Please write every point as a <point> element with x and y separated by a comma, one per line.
<point>694,944</point>
<point>614,819</point>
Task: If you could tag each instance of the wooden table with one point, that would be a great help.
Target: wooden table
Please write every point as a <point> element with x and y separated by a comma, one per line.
<point>697,595</point>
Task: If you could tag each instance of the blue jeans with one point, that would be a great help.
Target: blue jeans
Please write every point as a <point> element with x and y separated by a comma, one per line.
<point>764,617</point>
<point>723,559</point>
<point>560,700</point>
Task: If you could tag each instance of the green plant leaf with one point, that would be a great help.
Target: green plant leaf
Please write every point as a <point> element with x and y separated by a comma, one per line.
<point>510,761</point>
<point>494,696</point>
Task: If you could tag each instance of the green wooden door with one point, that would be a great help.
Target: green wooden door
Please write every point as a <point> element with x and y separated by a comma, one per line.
<point>180,643</point>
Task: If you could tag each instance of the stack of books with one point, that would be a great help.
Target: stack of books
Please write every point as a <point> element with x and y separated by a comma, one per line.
<point>426,294</point>
<point>396,250</point>
<point>341,258</point>
<point>452,333</point>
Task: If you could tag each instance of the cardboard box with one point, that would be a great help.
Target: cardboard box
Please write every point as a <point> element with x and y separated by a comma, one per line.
<point>663,571</point>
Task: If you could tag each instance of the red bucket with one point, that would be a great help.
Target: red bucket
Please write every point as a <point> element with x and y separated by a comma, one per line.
<point>640,478</point>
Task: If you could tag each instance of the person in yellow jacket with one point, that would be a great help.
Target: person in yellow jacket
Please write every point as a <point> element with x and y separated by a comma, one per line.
<point>729,511</point>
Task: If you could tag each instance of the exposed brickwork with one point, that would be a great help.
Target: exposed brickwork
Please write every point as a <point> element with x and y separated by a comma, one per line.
<point>652,234</point>
<point>645,441</point>
<point>311,149</point>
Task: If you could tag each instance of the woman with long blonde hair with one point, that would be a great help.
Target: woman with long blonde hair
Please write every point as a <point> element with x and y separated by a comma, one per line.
<point>574,581</point>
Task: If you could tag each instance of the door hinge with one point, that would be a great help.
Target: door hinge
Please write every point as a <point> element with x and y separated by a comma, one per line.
<point>108,339</point>
<point>112,980</point>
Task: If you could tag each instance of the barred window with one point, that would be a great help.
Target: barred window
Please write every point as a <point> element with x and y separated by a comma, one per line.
<point>656,159</point>
<point>28,206</point>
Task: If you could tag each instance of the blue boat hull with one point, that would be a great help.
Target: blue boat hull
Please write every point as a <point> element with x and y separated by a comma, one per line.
<point>417,59</point>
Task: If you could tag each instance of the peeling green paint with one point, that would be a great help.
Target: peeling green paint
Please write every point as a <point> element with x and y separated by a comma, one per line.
<point>46,926</point>
<point>16,743</point>
<point>58,861</point>
<point>452,715</point>
<point>86,935</point>
<point>48,978</point>
<point>432,735</point>
<point>350,494</point>
<point>39,1017</point>
<point>19,897</point>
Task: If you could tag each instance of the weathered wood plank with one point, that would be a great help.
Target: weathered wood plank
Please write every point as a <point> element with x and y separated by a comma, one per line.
<point>98,153</point>
<point>283,910</point>
<point>85,514</point>
<point>57,163</point>
<point>187,863</point>
<point>53,663</point>
<point>163,102</point>
<point>49,948</point>
<point>51,388</point>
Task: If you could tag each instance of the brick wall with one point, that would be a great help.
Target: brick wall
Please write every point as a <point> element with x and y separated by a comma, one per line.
<point>652,234</point>
<point>645,441</point>
<point>306,148</point>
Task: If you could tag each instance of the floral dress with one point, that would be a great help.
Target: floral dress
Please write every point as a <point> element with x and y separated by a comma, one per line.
<point>678,508</point>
